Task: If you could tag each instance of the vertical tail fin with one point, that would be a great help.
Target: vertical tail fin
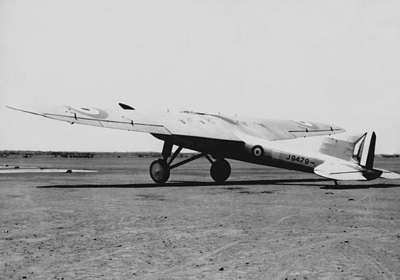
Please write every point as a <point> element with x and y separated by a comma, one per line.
<point>342,148</point>
<point>359,148</point>
<point>364,150</point>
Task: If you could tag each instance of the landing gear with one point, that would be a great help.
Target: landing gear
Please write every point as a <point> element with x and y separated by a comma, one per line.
<point>220,170</point>
<point>159,171</point>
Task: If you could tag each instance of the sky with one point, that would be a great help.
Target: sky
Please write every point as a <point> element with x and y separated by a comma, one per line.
<point>327,61</point>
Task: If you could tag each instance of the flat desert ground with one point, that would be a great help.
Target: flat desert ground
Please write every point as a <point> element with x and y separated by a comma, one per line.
<point>264,223</point>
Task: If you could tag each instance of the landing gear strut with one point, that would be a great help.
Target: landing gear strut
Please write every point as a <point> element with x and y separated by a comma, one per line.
<point>160,169</point>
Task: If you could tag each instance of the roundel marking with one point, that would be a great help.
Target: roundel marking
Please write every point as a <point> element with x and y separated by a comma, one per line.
<point>91,112</point>
<point>257,151</point>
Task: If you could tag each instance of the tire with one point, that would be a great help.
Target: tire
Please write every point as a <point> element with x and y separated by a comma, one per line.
<point>220,171</point>
<point>159,171</point>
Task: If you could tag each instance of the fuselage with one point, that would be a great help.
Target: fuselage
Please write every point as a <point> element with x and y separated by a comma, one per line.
<point>273,153</point>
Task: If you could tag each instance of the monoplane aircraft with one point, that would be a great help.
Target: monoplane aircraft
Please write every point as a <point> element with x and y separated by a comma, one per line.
<point>217,138</point>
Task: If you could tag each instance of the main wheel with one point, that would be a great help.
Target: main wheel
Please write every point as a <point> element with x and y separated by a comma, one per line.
<point>159,171</point>
<point>220,171</point>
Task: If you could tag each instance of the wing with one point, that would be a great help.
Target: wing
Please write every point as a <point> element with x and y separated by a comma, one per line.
<point>273,129</point>
<point>133,120</point>
<point>185,123</point>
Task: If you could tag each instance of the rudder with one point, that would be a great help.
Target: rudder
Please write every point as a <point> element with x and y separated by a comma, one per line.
<point>365,150</point>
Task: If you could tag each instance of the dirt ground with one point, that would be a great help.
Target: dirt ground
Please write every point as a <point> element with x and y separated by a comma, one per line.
<point>264,223</point>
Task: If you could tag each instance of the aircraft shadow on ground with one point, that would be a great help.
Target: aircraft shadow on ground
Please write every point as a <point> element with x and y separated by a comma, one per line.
<point>323,183</point>
<point>343,186</point>
<point>187,184</point>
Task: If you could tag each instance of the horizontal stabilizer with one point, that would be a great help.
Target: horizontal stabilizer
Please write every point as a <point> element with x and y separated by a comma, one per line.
<point>389,174</point>
<point>339,171</point>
